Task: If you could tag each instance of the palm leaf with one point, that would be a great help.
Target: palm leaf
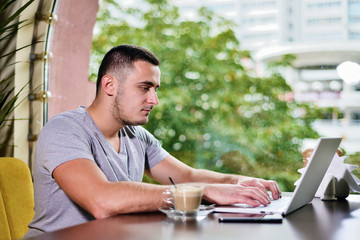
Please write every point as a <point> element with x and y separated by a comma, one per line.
<point>12,30</point>
<point>8,28</point>
<point>6,108</point>
<point>6,4</point>
<point>4,97</point>
<point>12,52</point>
<point>13,27</point>
<point>16,14</point>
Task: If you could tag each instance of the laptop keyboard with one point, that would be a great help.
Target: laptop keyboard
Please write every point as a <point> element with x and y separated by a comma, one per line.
<point>278,204</point>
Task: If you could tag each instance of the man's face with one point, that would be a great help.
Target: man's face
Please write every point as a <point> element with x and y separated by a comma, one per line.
<point>136,96</point>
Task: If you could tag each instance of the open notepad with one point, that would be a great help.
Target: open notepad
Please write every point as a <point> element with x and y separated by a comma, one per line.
<point>304,191</point>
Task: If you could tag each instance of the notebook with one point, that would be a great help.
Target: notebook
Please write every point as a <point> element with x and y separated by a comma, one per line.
<point>304,192</point>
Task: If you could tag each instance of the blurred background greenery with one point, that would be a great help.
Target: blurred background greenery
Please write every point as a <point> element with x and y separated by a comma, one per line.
<point>214,112</point>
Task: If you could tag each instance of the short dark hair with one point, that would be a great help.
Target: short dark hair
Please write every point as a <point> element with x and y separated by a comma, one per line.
<point>122,57</point>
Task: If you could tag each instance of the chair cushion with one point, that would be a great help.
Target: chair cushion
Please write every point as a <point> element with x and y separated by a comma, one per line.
<point>4,225</point>
<point>17,192</point>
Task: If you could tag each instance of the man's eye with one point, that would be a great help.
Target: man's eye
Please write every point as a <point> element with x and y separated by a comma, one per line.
<point>145,88</point>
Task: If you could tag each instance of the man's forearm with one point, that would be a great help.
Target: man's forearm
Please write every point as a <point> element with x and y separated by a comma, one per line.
<point>86,185</point>
<point>128,197</point>
<point>206,176</point>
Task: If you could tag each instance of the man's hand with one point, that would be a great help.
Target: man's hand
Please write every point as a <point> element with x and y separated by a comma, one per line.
<point>251,191</point>
<point>264,185</point>
<point>226,194</point>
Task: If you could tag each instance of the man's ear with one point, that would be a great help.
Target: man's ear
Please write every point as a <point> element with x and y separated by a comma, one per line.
<point>108,84</point>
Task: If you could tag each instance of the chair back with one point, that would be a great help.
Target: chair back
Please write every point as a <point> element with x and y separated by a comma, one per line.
<point>16,198</point>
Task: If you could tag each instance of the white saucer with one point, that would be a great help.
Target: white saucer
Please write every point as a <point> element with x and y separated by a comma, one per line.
<point>184,216</point>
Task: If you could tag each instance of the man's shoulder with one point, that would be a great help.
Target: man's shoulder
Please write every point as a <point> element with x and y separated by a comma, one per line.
<point>76,114</point>
<point>73,116</point>
<point>67,121</point>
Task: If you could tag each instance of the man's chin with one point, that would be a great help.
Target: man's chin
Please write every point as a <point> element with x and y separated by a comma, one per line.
<point>143,122</point>
<point>137,123</point>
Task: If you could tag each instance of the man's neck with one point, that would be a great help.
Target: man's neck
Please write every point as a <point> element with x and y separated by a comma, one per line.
<point>104,120</point>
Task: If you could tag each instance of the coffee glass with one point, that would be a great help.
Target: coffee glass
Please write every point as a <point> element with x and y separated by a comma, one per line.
<point>184,197</point>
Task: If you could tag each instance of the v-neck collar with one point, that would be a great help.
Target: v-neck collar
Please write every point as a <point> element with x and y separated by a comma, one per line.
<point>104,139</point>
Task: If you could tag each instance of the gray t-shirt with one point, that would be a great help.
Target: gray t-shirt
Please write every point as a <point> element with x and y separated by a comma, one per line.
<point>72,135</point>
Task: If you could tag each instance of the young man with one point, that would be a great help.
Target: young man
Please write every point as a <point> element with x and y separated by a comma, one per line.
<point>89,162</point>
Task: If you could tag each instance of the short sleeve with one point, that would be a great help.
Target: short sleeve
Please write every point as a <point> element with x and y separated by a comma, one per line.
<point>62,140</point>
<point>154,152</point>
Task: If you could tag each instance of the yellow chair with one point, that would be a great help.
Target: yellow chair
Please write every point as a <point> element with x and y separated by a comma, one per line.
<point>16,198</point>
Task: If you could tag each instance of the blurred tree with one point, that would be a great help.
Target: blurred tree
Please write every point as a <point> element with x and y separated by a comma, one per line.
<point>214,113</point>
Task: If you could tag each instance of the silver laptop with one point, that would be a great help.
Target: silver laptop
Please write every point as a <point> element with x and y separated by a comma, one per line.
<point>304,192</point>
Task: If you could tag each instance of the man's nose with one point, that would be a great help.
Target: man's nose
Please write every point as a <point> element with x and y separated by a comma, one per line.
<point>153,98</point>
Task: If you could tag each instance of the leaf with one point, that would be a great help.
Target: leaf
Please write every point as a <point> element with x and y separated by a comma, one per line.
<point>16,50</point>
<point>6,108</point>
<point>4,98</point>
<point>8,28</point>
<point>16,14</point>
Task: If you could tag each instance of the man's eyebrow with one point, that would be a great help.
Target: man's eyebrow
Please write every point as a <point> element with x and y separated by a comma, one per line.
<point>150,84</point>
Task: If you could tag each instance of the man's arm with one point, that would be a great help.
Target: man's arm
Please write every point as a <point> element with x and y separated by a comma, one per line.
<point>84,182</point>
<point>221,188</point>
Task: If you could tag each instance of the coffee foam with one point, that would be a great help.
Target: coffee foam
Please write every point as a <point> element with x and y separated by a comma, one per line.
<point>188,190</point>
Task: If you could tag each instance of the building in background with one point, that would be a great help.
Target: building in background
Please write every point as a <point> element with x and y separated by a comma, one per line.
<point>321,34</point>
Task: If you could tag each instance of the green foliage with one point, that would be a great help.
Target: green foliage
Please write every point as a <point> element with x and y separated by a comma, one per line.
<point>354,159</point>
<point>214,113</point>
